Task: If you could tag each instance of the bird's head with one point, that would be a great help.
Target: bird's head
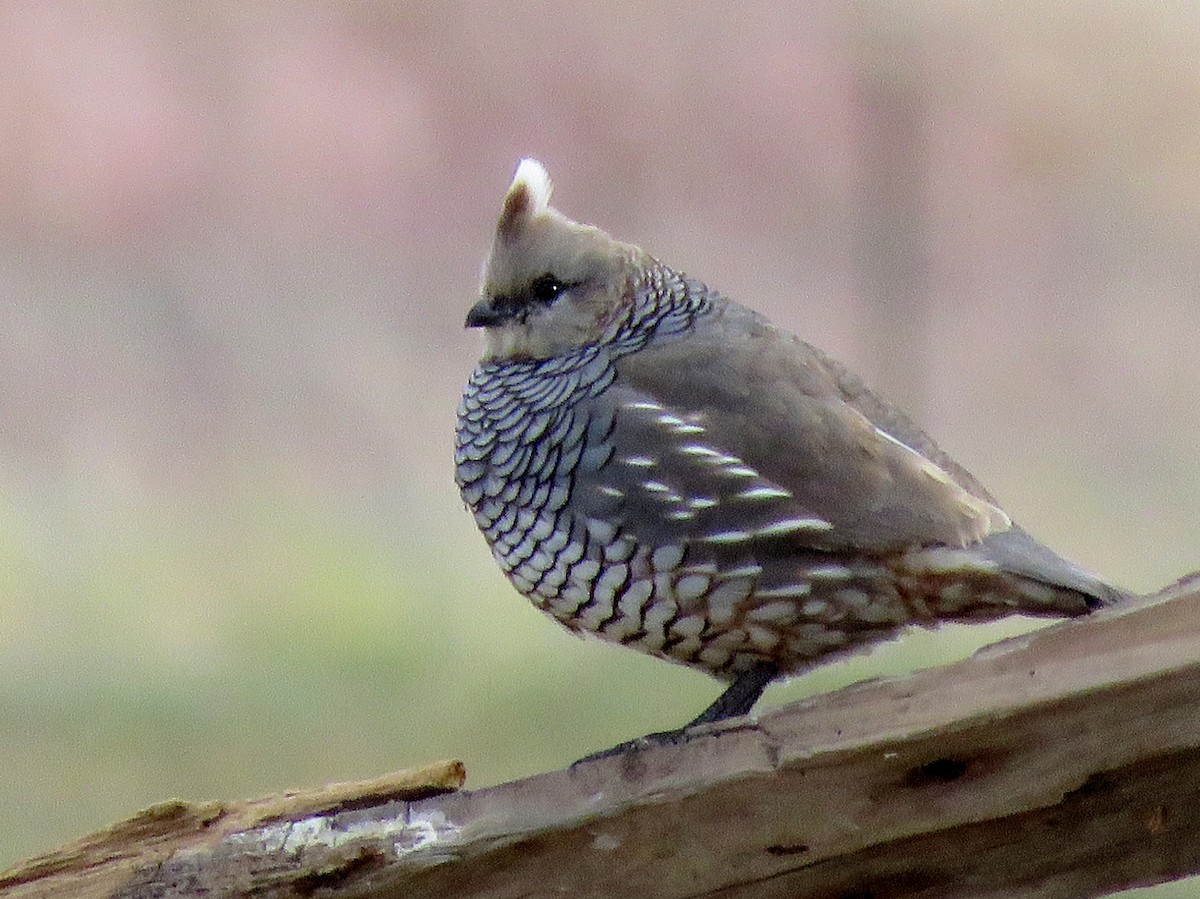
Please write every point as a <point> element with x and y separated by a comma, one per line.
<point>549,284</point>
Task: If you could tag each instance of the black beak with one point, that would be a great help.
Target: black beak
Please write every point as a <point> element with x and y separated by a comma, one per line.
<point>485,314</point>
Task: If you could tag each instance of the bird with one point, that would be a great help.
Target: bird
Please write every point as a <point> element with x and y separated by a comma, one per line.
<point>657,465</point>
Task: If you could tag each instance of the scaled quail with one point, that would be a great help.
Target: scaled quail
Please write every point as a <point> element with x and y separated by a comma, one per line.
<point>657,465</point>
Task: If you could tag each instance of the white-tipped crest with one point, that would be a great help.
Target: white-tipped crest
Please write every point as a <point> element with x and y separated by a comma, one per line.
<point>528,199</point>
<point>531,176</point>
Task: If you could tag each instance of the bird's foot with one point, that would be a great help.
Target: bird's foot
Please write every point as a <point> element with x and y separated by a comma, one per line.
<point>662,738</point>
<point>739,697</point>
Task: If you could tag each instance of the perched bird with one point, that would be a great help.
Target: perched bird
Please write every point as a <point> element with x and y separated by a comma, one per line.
<point>657,465</point>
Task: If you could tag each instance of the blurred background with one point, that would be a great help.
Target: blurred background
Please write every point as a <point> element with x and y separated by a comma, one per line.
<point>237,243</point>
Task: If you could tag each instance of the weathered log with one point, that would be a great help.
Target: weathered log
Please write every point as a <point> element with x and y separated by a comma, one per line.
<point>1062,763</point>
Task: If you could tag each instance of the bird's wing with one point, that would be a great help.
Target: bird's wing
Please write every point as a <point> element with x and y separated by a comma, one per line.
<point>661,477</point>
<point>750,417</point>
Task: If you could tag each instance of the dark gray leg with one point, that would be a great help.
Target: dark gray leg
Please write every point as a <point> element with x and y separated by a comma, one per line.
<point>739,697</point>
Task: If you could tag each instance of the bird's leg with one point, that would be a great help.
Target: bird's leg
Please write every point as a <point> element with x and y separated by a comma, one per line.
<point>739,697</point>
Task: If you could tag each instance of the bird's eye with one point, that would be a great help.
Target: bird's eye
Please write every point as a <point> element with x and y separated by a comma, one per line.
<point>546,288</point>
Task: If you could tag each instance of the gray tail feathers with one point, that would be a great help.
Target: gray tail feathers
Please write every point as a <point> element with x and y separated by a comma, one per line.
<point>1018,553</point>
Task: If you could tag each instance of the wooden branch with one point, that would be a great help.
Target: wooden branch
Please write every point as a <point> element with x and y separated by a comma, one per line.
<point>1062,763</point>
<point>121,860</point>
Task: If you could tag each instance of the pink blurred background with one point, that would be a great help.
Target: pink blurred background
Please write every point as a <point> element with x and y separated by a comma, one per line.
<point>238,243</point>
